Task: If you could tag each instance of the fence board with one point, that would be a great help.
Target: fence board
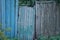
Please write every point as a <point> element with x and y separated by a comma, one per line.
<point>26,22</point>
<point>46,18</point>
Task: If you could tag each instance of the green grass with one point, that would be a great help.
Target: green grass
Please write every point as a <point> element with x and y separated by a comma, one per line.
<point>57,37</point>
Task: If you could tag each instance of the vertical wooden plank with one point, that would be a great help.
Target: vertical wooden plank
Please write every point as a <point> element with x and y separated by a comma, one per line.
<point>12,19</point>
<point>58,19</point>
<point>7,16</point>
<point>21,22</point>
<point>3,14</point>
<point>38,19</point>
<point>16,17</point>
<point>1,11</point>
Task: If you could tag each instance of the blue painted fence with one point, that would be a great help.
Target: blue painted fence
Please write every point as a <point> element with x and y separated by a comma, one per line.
<point>26,22</point>
<point>22,26</point>
<point>8,16</point>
